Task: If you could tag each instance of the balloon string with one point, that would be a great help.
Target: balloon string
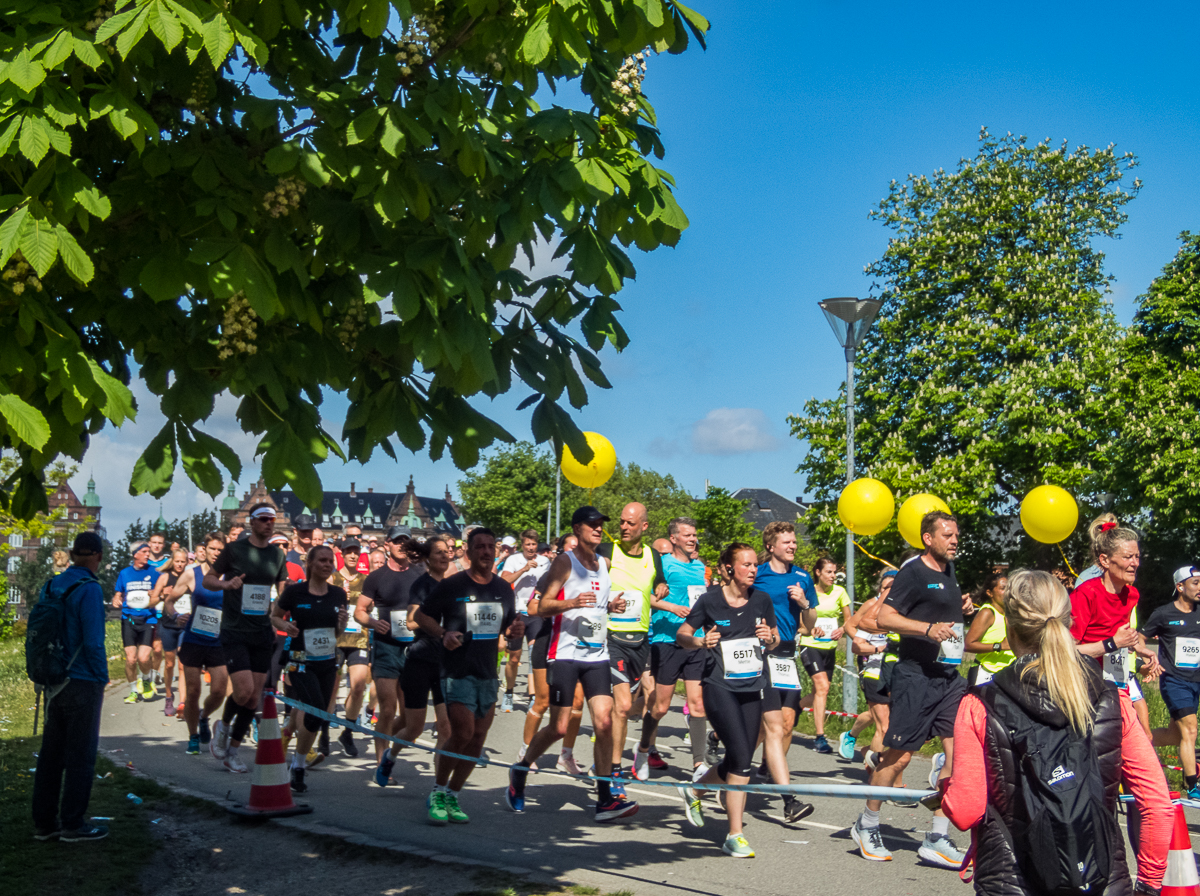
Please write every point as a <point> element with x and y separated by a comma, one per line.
<point>873,557</point>
<point>1066,561</point>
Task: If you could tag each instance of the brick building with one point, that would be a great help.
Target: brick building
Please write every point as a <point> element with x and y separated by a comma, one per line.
<point>75,514</point>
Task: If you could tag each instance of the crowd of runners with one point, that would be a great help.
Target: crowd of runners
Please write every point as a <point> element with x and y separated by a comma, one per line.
<point>374,633</point>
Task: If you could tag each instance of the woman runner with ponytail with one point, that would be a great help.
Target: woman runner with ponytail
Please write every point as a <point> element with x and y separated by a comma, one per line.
<point>1049,688</point>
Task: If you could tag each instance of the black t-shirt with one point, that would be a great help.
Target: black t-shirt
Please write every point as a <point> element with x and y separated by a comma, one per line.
<point>316,614</point>
<point>481,612</point>
<point>1178,636</point>
<point>391,592</point>
<point>245,612</point>
<point>927,595</point>
<point>736,624</point>
<point>425,648</point>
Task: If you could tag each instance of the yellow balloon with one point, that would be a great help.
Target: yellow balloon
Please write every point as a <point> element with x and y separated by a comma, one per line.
<point>866,506</point>
<point>912,511</point>
<point>1049,514</point>
<point>596,472</point>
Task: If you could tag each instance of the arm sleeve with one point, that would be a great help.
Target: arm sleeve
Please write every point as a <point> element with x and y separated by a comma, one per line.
<point>1081,612</point>
<point>965,799</point>
<point>1143,777</point>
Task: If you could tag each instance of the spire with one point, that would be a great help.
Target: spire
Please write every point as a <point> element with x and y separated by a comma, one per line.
<point>91,499</point>
<point>231,502</point>
<point>337,512</point>
<point>161,523</point>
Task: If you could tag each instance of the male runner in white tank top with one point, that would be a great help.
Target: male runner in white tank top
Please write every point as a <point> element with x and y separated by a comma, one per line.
<point>575,594</point>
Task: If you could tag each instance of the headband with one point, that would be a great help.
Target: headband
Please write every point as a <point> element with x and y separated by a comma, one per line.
<point>141,546</point>
<point>263,512</point>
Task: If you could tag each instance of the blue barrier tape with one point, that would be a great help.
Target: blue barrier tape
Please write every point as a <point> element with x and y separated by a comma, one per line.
<point>849,791</point>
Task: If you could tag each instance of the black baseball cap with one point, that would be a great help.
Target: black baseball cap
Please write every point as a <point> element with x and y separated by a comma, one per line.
<point>304,521</point>
<point>351,546</point>
<point>88,543</point>
<point>587,514</point>
<point>396,533</point>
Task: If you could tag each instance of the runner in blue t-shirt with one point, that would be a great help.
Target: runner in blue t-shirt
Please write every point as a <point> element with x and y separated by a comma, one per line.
<point>669,663</point>
<point>131,595</point>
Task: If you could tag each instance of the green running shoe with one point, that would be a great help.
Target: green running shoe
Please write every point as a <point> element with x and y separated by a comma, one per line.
<point>193,747</point>
<point>437,808</point>
<point>453,811</point>
<point>148,692</point>
<point>691,807</point>
<point>737,847</point>
<point>133,697</point>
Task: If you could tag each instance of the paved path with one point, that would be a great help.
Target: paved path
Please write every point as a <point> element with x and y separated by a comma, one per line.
<point>653,854</point>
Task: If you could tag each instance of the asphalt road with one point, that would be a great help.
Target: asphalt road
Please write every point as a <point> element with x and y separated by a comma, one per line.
<point>655,853</point>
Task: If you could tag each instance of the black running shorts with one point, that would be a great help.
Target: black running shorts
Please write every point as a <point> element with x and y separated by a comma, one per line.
<point>670,663</point>
<point>923,706</point>
<point>563,675</point>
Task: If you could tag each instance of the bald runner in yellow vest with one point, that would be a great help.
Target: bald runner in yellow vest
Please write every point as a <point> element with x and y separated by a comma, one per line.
<point>635,569</point>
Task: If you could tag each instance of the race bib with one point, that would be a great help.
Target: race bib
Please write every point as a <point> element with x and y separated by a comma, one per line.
<point>183,605</point>
<point>399,623</point>
<point>873,666</point>
<point>483,620</point>
<point>256,600</point>
<point>592,629</point>
<point>694,592</point>
<point>137,600</point>
<point>784,674</point>
<point>824,628</point>
<point>633,606</point>
<point>950,651</point>
<point>742,658</point>
<point>1187,653</point>
<point>319,644</point>
<point>206,621</point>
<point>352,626</point>
<point>1115,669</point>
<point>983,676</point>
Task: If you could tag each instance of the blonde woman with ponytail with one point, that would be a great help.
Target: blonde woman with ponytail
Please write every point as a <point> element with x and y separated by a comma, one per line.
<point>1050,688</point>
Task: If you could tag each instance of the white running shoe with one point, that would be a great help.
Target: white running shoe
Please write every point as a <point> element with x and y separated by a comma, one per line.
<point>566,763</point>
<point>235,764</point>
<point>219,745</point>
<point>521,753</point>
<point>641,764</point>
<point>939,762</point>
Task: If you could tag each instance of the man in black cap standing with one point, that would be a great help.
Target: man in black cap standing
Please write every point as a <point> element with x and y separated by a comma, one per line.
<point>575,593</point>
<point>72,733</point>
<point>386,591</point>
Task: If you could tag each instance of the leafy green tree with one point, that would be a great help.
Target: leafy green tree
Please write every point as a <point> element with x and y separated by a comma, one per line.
<point>719,520</point>
<point>989,369</point>
<point>1156,467</point>
<point>283,197</point>
<point>175,532</point>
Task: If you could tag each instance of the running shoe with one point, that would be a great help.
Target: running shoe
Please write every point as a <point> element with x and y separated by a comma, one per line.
<point>641,765</point>
<point>323,743</point>
<point>148,692</point>
<point>383,771</point>
<point>45,835</point>
<point>252,732</point>
<point>346,739</point>
<point>193,747</point>
<point>1194,793</point>
<point>437,814</point>
<point>763,773</point>
<point>904,804</point>
<point>869,842</point>
<point>84,834</point>
<point>614,808</point>
<point>711,756</point>
<point>699,772</point>
<point>298,785</point>
<point>566,763</point>
<point>507,704</point>
<point>219,745</point>
<point>313,758</point>
<point>939,762</point>
<point>453,811</point>
<point>871,759</point>
<point>615,786</point>
<point>737,847</point>
<point>169,707</point>
<point>657,762</point>
<point>235,764</point>
<point>821,745</point>
<point>938,849</point>
<point>158,679</point>
<point>134,697</point>
<point>179,710</point>
<point>515,795</point>
<point>205,733</point>
<point>795,809</point>
<point>846,745</point>
<point>691,806</point>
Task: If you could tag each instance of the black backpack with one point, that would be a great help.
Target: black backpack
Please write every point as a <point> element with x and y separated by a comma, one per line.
<point>1062,831</point>
<point>46,660</point>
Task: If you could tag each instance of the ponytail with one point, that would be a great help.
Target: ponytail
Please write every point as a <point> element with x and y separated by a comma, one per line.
<point>1038,614</point>
<point>1107,535</point>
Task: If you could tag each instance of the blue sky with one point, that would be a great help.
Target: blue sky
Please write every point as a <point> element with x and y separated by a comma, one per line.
<point>781,137</point>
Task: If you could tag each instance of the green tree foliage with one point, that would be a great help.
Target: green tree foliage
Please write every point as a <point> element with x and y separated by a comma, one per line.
<point>1156,467</point>
<point>175,532</point>
<point>283,197</point>
<point>719,521</point>
<point>516,484</point>
<point>988,370</point>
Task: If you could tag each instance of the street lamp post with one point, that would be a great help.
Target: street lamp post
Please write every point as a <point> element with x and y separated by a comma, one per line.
<point>850,319</point>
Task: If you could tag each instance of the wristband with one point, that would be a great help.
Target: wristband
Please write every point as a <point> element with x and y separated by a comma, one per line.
<point>1110,645</point>
<point>928,628</point>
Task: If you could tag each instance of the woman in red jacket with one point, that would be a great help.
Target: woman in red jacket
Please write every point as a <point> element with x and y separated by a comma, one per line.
<point>1049,687</point>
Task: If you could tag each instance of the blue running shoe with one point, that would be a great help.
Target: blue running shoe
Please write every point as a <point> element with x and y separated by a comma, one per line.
<point>205,734</point>
<point>1194,793</point>
<point>846,745</point>
<point>821,745</point>
<point>383,771</point>
<point>515,795</point>
<point>615,787</point>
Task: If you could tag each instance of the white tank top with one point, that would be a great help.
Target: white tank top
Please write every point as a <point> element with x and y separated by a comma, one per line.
<point>582,635</point>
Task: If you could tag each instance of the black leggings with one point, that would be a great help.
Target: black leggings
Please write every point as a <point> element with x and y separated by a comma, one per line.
<point>736,717</point>
<point>314,687</point>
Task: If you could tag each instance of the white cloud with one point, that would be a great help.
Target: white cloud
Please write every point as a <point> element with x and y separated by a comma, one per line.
<point>725,431</point>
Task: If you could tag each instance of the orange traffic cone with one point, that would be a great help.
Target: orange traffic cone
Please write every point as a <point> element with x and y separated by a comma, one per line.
<point>270,790</point>
<point>1181,878</point>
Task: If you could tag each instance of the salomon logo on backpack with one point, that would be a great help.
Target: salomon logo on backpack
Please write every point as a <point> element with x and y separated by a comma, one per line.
<point>1062,832</point>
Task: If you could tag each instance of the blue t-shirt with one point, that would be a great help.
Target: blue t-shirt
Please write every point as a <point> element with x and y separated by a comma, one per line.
<point>680,577</point>
<point>136,585</point>
<point>787,611</point>
<point>203,598</point>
